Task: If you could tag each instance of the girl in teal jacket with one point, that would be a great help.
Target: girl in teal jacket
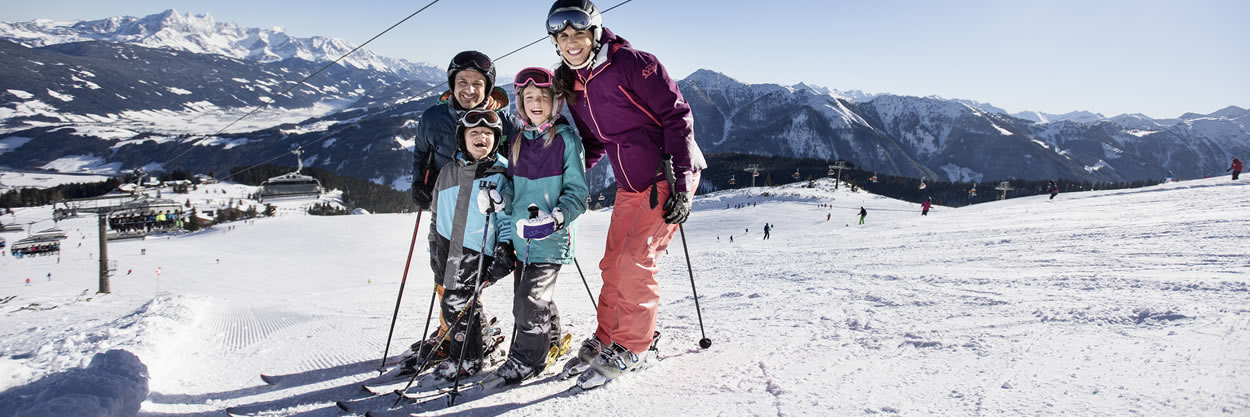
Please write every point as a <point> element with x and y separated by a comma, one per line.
<point>548,175</point>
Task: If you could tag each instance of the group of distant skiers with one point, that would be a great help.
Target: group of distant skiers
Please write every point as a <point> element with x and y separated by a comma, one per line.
<point>504,191</point>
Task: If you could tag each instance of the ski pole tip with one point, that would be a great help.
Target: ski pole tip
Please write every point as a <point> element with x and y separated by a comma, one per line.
<point>705,343</point>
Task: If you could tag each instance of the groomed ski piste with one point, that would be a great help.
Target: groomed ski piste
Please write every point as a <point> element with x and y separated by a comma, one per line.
<point>1118,302</point>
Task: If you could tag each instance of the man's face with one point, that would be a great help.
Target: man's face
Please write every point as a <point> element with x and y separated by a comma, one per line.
<point>470,89</point>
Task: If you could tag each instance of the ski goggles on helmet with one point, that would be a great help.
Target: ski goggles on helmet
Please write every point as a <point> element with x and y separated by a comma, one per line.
<point>539,77</point>
<point>475,118</point>
<point>572,17</point>
<point>471,59</point>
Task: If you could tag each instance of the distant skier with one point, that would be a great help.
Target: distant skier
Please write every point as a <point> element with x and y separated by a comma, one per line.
<point>924,207</point>
<point>27,282</point>
<point>49,276</point>
<point>1236,168</point>
<point>828,216</point>
<point>862,214</point>
<point>1052,189</point>
<point>1169,178</point>
<point>731,238</point>
<point>767,229</point>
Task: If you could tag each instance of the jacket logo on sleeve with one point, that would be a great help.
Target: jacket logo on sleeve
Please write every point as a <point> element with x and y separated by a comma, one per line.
<point>649,70</point>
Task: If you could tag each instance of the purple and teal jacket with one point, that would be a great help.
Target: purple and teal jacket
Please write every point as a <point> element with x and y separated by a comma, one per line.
<point>627,107</point>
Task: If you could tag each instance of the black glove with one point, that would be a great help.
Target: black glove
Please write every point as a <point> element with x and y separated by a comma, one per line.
<point>677,208</point>
<point>504,263</point>
<point>421,196</point>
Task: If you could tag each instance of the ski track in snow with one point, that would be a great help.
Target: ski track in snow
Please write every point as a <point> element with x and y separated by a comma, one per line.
<point>1100,303</point>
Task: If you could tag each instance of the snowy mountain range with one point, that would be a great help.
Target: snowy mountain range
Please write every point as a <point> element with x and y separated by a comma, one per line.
<point>957,140</point>
<point>123,92</point>
<point>204,35</point>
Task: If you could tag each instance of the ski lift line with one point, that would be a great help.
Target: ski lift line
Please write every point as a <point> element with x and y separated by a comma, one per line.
<point>501,57</point>
<point>301,82</point>
<point>420,94</point>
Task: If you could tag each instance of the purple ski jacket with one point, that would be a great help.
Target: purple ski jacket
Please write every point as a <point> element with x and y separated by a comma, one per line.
<point>627,107</point>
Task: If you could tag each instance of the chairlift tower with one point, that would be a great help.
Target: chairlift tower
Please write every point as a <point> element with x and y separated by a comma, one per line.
<point>1003,187</point>
<point>754,169</point>
<point>299,158</point>
<point>838,165</point>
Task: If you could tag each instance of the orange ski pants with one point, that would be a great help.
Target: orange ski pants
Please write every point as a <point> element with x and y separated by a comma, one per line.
<point>629,300</point>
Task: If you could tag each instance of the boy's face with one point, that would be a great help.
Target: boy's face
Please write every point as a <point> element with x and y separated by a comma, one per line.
<point>479,140</point>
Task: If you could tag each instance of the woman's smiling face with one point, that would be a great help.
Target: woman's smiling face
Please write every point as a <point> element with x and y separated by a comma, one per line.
<point>575,45</point>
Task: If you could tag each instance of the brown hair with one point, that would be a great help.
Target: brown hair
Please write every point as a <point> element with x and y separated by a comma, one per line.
<point>564,80</point>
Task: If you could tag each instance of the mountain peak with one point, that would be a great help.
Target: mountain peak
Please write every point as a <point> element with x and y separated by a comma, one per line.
<point>711,78</point>
<point>1230,112</point>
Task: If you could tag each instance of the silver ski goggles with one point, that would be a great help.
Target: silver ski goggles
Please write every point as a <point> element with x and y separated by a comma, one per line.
<point>575,18</point>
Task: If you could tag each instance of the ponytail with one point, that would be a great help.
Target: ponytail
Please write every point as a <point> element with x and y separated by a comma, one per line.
<point>564,82</point>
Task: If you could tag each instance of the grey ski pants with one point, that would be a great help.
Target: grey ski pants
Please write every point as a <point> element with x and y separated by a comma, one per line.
<point>534,310</point>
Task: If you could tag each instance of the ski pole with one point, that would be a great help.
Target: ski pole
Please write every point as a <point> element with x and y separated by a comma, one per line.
<point>593,303</point>
<point>667,164</point>
<point>430,355</point>
<point>411,247</point>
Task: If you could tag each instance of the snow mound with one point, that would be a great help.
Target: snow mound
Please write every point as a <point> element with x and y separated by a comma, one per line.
<point>114,384</point>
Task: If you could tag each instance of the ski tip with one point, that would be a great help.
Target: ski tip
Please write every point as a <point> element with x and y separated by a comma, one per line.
<point>342,406</point>
<point>269,379</point>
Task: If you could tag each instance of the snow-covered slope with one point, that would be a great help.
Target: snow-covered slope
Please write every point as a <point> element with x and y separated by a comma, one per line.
<point>204,35</point>
<point>1098,303</point>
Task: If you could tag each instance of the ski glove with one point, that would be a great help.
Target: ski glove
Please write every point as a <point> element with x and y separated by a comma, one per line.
<point>421,196</point>
<point>488,196</point>
<point>677,208</point>
<point>542,226</point>
<point>504,263</point>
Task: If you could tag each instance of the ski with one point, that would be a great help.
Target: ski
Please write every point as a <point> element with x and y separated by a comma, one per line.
<point>404,373</point>
<point>277,379</point>
<point>491,384</point>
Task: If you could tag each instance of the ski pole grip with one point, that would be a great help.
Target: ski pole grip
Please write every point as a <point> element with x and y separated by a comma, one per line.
<point>533,208</point>
<point>667,165</point>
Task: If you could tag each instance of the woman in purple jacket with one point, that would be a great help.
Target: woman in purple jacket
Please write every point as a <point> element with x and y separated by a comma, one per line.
<point>627,107</point>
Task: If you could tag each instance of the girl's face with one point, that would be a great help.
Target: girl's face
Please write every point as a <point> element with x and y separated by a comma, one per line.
<point>479,140</point>
<point>536,104</point>
<point>575,44</point>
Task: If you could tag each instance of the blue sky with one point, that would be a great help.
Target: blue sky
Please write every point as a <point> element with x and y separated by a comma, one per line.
<point>1161,58</point>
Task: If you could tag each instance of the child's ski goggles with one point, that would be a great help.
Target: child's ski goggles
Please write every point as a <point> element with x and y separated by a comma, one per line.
<point>539,77</point>
<point>475,118</point>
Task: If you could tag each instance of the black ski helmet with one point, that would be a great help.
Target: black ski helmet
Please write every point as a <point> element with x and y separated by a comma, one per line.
<point>580,14</point>
<point>473,60</point>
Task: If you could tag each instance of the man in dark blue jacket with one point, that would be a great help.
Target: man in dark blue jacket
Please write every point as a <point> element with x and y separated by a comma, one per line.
<point>435,140</point>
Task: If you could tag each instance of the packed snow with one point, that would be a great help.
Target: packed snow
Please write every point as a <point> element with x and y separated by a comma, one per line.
<point>1121,302</point>
<point>32,179</point>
